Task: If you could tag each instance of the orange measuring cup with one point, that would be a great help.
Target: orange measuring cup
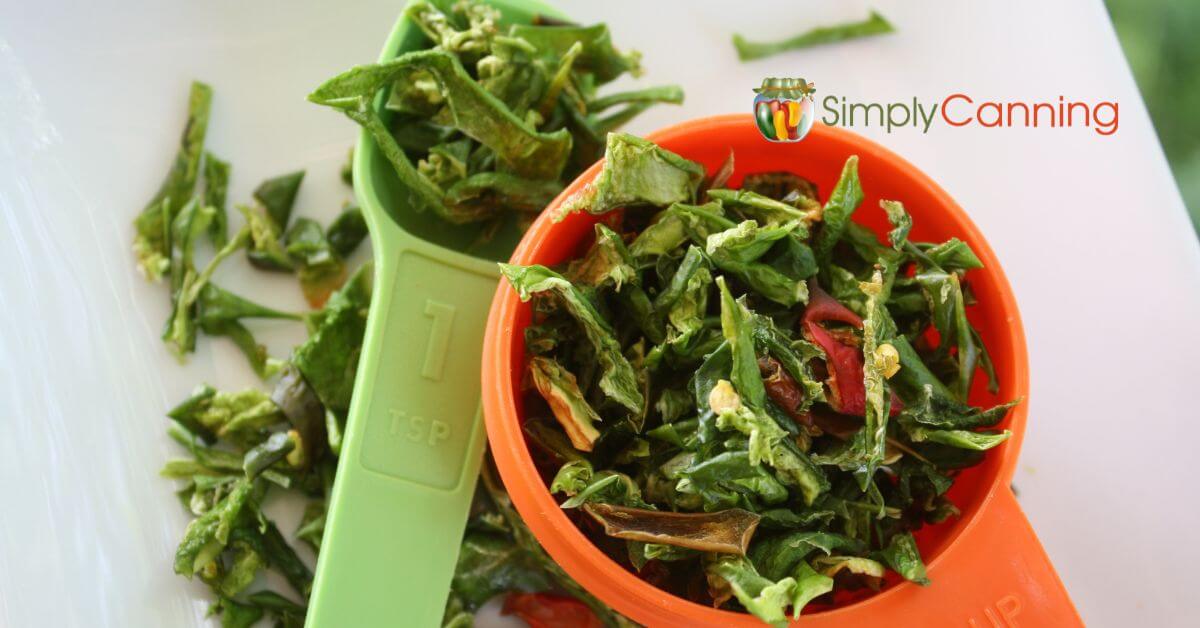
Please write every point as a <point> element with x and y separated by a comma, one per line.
<point>986,566</point>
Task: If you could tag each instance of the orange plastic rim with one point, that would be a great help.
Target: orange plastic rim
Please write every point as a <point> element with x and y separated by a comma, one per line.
<point>950,549</point>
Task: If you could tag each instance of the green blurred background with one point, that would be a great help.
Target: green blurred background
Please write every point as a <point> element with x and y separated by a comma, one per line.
<point>1161,39</point>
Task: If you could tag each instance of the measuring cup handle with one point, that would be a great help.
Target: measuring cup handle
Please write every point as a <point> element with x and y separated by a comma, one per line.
<point>412,447</point>
<point>996,575</point>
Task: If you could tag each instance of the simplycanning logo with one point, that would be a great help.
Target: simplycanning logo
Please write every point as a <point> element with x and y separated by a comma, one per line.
<point>784,111</point>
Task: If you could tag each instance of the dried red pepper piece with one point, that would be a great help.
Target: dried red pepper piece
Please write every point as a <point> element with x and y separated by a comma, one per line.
<point>847,392</point>
<point>783,389</point>
<point>547,610</point>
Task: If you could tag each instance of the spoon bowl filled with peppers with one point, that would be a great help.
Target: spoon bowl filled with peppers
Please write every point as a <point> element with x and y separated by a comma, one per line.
<point>728,381</point>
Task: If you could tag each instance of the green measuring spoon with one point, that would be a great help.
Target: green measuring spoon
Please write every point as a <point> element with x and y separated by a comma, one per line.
<point>414,435</point>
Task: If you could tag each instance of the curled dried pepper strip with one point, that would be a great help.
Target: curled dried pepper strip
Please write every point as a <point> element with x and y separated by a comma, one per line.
<point>783,390</point>
<point>848,395</point>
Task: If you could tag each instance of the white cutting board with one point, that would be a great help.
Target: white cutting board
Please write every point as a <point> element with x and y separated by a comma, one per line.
<point>1091,231</point>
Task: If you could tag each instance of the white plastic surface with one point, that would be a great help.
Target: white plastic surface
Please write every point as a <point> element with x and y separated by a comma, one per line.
<point>1091,231</point>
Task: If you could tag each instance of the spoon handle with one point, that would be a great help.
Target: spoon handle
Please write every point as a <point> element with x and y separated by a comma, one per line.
<point>412,448</point>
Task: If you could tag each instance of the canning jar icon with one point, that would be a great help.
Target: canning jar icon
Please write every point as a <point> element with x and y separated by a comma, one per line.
<point>784,109</point>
